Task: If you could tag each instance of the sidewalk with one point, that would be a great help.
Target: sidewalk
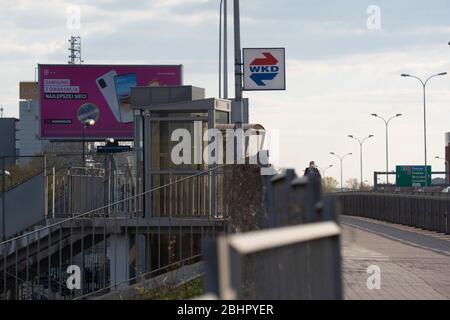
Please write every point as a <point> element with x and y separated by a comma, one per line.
<point>415,264</point>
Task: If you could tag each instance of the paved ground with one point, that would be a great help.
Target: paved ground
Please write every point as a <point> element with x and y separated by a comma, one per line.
<point>414,264</point>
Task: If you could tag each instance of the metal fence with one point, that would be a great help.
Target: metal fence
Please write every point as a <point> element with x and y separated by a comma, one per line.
<point>74,191</point>
<point>22,193</point>
<point>299,262</point>
<point>429,212</point>
<point>298,257</point>
<point>114,246</point>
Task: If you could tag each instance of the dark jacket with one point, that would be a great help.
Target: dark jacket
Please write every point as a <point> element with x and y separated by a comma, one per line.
<point>313,171</point>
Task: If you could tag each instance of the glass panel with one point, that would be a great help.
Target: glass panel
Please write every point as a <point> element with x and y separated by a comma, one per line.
<point>222,117</point>
<point>162,145</point>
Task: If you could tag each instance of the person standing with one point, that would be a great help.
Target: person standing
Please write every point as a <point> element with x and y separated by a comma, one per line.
<point>312,170</point>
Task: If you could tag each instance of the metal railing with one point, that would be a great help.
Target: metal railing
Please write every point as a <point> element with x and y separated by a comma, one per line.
<point>429,212</point>
<point>299,262</point>
<point>297,257</point>
<point>113,245</point>
<point>71,192</point>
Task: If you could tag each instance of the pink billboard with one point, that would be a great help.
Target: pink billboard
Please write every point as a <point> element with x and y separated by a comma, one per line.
<point>71,94</point>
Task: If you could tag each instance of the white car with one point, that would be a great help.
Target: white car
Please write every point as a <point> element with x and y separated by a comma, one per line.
<point>446,190</point>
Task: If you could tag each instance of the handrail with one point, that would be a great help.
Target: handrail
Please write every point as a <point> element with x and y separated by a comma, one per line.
<point>143,275</point>
<point>111,204</point>
<point>269,239</point>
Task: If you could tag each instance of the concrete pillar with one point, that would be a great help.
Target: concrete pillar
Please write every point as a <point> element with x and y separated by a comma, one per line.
<point>141,255</point>
<point>118,260</point>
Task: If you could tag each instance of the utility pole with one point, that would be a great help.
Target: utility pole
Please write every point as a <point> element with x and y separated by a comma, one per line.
<point>238,62</point>
<point>424,86</point>
<point>387,121</point>
<point>341,159</point>
<point>220,48</point>
<point>361,143</point>
<point>225,49</point>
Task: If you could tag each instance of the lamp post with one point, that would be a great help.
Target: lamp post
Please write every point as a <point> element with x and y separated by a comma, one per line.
<point>387,140</point>
<point>224,25</point>
<point>341,159</point>
<point>324,171</point>
<point>446,167</point>
<point>361,142</point>
<point>424,85</point>
<point>86,123</point>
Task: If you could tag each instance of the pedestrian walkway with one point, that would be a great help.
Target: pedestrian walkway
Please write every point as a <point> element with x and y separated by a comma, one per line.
<point>414,264</point>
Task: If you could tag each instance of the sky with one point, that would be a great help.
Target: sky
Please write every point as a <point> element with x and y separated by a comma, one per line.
<point>342,65</point>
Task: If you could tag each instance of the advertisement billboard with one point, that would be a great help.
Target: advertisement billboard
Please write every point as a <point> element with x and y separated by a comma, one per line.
<point>71,94</point>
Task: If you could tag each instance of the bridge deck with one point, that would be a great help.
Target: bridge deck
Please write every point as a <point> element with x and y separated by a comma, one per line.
<point>415,264</point>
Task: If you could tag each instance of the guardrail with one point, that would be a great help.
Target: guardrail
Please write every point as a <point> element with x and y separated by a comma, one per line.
<point>429,212</point>
<point>299,262</point>
<point>114,246</point>
<point>71,193</point>
<point>298,257</point>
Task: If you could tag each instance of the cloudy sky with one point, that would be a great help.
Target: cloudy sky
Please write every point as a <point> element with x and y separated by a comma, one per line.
<point>339,71</point>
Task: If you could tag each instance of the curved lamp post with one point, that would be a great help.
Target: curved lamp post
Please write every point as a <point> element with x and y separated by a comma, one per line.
<point>386,121</point>
<point>341,159</point>
<point>361,143</point>
<point>424,85</point>
<point>324,171</point>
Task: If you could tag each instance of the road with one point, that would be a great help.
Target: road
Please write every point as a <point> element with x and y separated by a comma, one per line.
<point>413,263</point>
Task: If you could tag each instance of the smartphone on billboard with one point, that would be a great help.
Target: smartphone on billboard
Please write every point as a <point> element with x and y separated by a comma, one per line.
<point>107,87</point>
<point>123,84</point>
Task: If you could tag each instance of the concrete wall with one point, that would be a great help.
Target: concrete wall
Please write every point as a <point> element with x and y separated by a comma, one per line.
<point>8,139</point>
<point>29,143</point>
<point>24,206</point>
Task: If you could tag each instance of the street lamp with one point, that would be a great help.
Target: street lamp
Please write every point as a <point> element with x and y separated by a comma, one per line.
<point>361,142</point>
<point>446,167</point>
<point>324,171</point>
<point>424,84</point>
<point>341,159</point>
<point>86,123</point>
<point>387,140</point>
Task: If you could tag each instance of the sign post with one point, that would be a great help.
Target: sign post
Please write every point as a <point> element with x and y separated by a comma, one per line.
<point>264,69</point>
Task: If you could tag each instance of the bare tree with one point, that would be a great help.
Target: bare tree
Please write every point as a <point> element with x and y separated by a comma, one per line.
<point>244,197</point>
<point>329,184</point>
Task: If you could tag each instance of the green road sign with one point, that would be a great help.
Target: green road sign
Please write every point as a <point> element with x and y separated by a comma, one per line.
<point>413,176</point>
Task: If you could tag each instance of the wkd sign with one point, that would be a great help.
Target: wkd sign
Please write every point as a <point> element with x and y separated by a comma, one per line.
<point>264,69</point>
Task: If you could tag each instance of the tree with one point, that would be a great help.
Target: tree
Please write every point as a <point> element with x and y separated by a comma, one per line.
<point>353,184</point>
<point>329,184</point>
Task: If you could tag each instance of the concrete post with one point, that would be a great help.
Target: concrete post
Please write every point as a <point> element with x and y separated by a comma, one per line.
<point>118,259</point>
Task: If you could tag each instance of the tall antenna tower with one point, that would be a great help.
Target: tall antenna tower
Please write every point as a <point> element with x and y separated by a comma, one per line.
<point>75,50</point>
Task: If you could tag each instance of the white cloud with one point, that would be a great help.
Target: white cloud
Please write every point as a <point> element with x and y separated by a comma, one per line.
<point>338,72</point>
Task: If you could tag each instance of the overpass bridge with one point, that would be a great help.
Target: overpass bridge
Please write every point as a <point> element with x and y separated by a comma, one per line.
<point>403,236</point>
<point>116,244</point>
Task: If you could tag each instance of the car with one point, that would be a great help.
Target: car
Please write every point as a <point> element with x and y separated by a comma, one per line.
<point>446,190</point>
